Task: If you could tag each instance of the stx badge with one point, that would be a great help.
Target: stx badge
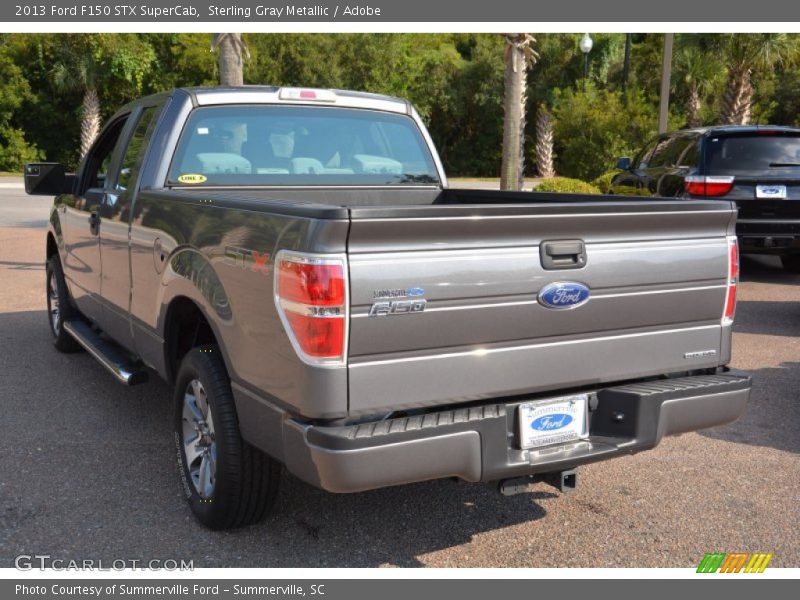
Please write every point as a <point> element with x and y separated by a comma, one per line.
<point>247,259</point>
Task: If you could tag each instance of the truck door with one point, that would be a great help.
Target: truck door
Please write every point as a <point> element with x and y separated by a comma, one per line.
<point>80,221</point>
<point>115,216</point>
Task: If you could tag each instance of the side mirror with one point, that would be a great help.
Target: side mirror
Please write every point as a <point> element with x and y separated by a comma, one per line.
<point>47,179</point>
<point>624,163</point>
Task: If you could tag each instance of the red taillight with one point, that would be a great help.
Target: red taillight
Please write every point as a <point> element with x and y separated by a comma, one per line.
<point>311,295</point>
<point>733,278</point>
<point>708,186</point>
<point>308,283</point>
<point>318,337</point>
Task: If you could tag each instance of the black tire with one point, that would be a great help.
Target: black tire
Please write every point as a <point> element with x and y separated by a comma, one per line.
<point>791,263</point>
<point>57,294</point>
<point>245,481</point>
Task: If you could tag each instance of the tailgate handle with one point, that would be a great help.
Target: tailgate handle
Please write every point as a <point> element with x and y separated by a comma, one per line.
<point>563,254</point>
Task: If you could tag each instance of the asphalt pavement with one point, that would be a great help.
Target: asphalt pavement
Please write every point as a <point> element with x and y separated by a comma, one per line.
<point>88,466</point>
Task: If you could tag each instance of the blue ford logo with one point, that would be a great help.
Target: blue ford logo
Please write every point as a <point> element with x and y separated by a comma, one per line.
<point>564,295</point>
<point>552,422</point>
<point>415,291</point>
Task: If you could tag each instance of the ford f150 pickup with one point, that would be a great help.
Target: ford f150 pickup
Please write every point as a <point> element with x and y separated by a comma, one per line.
<point>293,262</point>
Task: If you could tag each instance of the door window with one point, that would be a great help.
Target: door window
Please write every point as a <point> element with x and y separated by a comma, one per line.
<point>122,182</point>
<point>100,157</point>
<point>134,153</point>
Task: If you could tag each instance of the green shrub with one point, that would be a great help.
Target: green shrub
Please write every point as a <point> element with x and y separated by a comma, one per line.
<point>15,151</point>
<point>565,185</point>
<point>594,127</point>
<point>626,190</point>
<point>603,182</point>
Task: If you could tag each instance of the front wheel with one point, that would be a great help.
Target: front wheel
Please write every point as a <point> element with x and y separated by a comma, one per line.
<point>227,482</point>
<point>59,308</point>
<point>791,263</point>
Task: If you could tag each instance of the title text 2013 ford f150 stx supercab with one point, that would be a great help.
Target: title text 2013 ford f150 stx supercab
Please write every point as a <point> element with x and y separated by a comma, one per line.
<point>293,261</point>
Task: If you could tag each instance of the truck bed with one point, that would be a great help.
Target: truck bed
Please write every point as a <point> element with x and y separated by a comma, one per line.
<point>656,269</point>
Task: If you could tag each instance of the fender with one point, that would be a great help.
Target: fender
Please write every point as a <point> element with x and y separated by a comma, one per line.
<point>190,274</point>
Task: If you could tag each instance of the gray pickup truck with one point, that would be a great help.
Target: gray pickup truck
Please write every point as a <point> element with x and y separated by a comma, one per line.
<point>293,262</point>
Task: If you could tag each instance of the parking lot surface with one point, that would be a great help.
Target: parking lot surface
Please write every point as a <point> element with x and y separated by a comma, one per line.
<point>88,468</point>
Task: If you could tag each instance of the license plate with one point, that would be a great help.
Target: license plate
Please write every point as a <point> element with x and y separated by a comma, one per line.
<point>771,191</point>
<point>553,421</point>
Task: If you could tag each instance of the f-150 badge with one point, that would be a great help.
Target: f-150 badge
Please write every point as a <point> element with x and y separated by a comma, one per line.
<point>399,301</point>
<point>397,307</point>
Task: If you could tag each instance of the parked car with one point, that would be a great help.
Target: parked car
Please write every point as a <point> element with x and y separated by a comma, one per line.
<point>292,261</point>
<point>758,167</point>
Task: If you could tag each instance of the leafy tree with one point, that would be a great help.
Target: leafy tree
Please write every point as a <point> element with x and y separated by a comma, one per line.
<point>14,92</point>
<point>593,127</point>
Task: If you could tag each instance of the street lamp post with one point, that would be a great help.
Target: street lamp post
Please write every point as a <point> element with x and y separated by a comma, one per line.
<point>586,44</point>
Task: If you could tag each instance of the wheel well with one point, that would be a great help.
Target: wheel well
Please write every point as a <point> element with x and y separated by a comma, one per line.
<point>52,247</point>
<point>186,328</point>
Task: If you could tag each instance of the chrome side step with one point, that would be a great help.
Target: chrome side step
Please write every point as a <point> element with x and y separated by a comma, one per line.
<point>107,353</point>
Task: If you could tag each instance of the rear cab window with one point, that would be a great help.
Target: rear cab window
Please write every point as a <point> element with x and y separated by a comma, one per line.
<point>299,145</point>
<point>753,153</point>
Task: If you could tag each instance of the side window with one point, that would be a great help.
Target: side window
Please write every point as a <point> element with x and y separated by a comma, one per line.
<point>131,161</point>
<point>661,155</point>
<point>691,154</point>
<point>118,202</point>
<point>98,161</point>
<point>641,160</point>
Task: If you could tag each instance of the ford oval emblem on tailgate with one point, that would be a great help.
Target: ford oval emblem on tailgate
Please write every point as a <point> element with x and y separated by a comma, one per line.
<point>566,294</point>
<point>552,422</point>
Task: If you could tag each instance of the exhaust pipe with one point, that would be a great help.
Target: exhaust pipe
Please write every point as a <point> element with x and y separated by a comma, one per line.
<point>563,481</point>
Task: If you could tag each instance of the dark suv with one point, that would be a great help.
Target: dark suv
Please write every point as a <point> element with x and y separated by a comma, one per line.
<point>756,166</point>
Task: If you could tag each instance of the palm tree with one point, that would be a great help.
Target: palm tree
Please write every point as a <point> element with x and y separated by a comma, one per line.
<point>87,63</point>
<point>700,71</point>
<point>232,52</point>
<point>747,53</point>
<point>518,56</point>
<point>544,143</point>
<point>75,69</point>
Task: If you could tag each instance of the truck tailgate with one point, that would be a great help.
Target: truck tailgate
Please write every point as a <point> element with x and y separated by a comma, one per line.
<point>656,271</point>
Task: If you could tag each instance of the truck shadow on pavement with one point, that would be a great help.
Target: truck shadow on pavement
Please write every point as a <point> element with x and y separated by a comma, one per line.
<point>772,418</point>
<point>766,317</point>
<point>766,269</point>
<point>88,471</point>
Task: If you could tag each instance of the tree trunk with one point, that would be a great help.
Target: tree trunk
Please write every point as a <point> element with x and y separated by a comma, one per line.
<point>511,169</point>
<point>90,120</point>
<point>544,143</point>
<point>231,65</point>
<point>737,100</point>
<point>693,107</point>
<point>626,63</point>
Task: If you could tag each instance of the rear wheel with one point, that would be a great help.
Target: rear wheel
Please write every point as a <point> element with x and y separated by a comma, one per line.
<point>791,263</point>
<point>227,482</point>
<point>59,308</point>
